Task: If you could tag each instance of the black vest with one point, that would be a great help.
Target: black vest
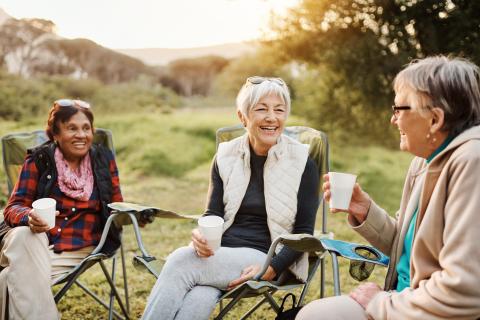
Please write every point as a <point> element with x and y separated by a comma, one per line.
<point>43,156</point>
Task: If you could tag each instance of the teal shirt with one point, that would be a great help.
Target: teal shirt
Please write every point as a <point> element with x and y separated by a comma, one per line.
<point>403,265</point>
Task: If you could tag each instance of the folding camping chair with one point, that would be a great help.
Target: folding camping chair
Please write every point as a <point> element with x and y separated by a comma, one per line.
<point>319,152</point>
<point>14,150</point>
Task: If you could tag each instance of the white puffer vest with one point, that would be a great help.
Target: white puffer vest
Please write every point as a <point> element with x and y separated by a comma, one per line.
<point>282,175</point>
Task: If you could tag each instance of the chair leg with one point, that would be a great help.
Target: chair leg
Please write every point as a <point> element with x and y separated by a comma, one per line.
<point>336,276</point>
<point>59,295</point>
<point>309,280</point>
<point>97,298</point>
<point>272,301</point>
<point>114,289</point>
<point>267,298</point>
<point>322,278</point>
<point>230,305</point>
<point>254,308</point>
<point>125,282</point>
<point>111,300</point>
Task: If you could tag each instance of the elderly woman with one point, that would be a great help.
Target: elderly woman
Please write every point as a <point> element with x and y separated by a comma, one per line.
<point>263,184</point>
<point>82,177</point>
<point>433,243</point>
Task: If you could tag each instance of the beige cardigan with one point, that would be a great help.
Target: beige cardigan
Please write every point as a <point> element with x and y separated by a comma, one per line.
<point>445,259</point>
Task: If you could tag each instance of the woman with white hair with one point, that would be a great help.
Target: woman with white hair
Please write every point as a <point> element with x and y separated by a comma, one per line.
<point>433,243</point>
<point>263,184</point>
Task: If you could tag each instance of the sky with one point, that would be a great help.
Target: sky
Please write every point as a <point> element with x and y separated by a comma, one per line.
<point>122,24</point>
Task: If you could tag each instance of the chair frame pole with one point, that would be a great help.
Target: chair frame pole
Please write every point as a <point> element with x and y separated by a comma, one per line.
<point>231,304</point>
<point>97,298</point>
<point>59,295</point>
<point>336,274</point>
<point>111,298</point>
<point>309,280</point>
<point>125,282</point>
<point>114,289</point>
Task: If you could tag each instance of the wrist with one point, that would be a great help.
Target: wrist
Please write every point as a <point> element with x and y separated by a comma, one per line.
<point>269,274</point>
<point>360,217</point>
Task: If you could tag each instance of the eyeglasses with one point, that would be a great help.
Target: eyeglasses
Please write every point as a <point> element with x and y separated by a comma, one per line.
<point>258,80</point>
<point>72,103</point>
<point>396,110</point>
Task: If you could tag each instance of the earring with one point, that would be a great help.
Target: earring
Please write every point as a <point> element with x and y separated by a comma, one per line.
<point>430,135</point>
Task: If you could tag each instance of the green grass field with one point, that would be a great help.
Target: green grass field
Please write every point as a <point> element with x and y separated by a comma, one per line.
<point>164,161</point>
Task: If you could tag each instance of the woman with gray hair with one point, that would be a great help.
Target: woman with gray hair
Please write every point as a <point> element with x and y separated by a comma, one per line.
<point>263,184</point>
<point>433,242</point>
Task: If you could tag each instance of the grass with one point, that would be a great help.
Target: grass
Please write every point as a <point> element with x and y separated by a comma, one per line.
<point>164,160</point>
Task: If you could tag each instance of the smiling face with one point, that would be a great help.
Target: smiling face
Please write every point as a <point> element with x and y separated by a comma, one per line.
<point>413,126</point>
<point>265,122</point>
<point>75,137</point>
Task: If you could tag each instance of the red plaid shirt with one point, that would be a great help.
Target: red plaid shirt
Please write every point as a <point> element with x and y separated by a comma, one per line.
<point>79,223</point>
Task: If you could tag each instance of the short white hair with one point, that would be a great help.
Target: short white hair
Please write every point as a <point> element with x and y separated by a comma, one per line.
<point>250,94</point>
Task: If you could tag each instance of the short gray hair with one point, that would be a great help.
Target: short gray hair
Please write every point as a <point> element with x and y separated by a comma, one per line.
<point>451,84</point>
<point>250,94</point>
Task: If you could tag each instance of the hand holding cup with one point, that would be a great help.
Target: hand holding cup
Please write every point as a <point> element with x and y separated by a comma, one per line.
<point>200,244</point>
<point>41,217</point>
<point>358,204</point>
<point>208,237</point>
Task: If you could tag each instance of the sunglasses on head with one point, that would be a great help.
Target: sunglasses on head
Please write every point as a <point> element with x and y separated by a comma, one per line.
<point>258,80</point>
<point>72,103</point>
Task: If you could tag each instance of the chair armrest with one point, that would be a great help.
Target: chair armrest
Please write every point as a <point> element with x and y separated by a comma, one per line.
<point>301,242</point>
<point>349,250</point>
<point>149,212</point>
<point>319,245</point>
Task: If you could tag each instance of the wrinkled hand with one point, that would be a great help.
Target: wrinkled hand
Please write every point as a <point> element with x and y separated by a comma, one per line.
<point>200,244</point>
<point>364,293</point>
<point>249,272</point>
<point>36,223</point>
<point>359,204</point>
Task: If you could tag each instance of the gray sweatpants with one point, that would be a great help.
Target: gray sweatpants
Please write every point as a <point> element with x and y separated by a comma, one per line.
<point>189,286</point>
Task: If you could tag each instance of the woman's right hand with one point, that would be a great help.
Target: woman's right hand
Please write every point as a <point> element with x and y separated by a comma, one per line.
<point>36,223</point>
<point>200,244</point>
<point>359,204</point>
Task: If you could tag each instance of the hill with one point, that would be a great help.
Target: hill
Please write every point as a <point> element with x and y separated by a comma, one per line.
<point>30,47</point>
<point>4,16</point>
<point>163,56</point>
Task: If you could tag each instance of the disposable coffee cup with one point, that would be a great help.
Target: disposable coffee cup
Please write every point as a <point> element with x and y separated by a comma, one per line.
<point>211,227</point>
<point>341,188</point>
<point>45,208</point>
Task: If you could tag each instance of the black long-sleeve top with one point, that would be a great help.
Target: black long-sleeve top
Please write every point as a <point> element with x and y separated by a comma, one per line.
<point>250,229</point>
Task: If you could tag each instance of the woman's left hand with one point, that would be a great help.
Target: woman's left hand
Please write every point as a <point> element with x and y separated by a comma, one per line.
<point>251,271</point>
<point>364,293</point>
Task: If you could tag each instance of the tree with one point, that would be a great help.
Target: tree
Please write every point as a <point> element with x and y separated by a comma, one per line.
<point>194,76</point>
<point>355,48</point>
<point>22,40</point>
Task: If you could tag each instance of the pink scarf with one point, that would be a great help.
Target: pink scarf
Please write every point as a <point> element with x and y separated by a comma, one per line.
<point>77,184</point>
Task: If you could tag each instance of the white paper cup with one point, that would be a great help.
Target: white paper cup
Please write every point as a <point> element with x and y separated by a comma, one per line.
<point>45,208</point>
<point>211,227</point>
<point>341,188</point>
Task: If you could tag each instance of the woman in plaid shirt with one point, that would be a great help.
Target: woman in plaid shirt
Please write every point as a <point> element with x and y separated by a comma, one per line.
<point>83,178</point>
